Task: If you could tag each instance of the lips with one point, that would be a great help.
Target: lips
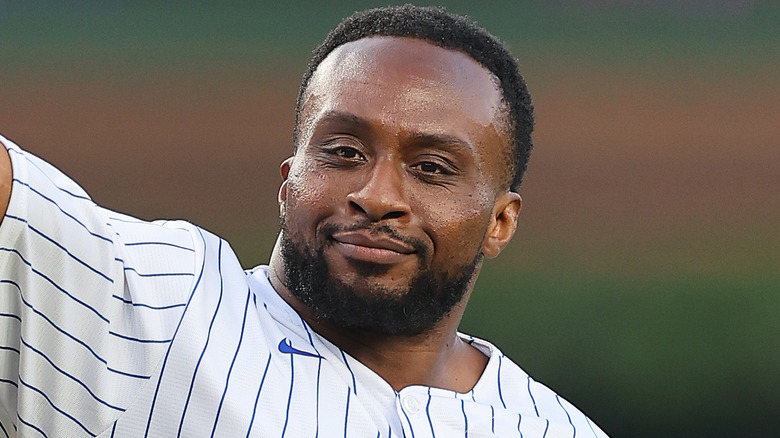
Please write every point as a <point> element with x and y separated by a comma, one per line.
<point>361,245</point>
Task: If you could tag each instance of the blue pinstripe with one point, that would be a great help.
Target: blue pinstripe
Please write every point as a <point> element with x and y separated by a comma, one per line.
<point>346,415</point>
<point>317,403</point>
<point>519,420</point>
<point>465,419</point>
<point>58,287</point>
<point>46,318</point>
<point>11,315</point>
<point>319,372</point>
<point>587,420</point>
<point>129,220</point>
<point>289,396</point>
<point>72,377</point>
<point>532,396</point>
<point>257,397</point>
<point>143,341</point>
<point>55,407</point>
<point>167,353</point>
<point>408,421</point>
<point>160,274</point>
<point>79,341</point>
<point>206,344</point>
<point>492,419</point>
<point>5,432</point>
<point>45,174</point>
<point>346,362</point>
<point>60,246</point>
<point>166,244</point>
<point>500,396</point>
<point>428,412</point>
<point>13,383</point>
<point>232,363</point>
<point>28,424</point>
<point>124,373</point>
<point>92,233</point>
<point>4,347</point>
<point>558,399</point>
<point>148,306</point>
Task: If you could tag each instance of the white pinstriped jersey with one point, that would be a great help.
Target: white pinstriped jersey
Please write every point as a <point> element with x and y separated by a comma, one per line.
<point>111,326</point>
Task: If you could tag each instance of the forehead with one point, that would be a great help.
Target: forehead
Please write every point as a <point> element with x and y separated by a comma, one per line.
<point>405,82</point>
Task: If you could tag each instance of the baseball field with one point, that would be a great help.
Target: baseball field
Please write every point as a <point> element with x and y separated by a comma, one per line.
<point>644,281</point>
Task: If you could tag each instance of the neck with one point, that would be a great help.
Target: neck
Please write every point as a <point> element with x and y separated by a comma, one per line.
<point>437,357</point>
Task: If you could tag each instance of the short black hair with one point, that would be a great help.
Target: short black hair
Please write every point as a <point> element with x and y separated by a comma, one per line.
<point>441,28</point>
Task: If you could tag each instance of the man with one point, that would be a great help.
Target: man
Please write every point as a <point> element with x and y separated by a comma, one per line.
<point>412,134</point>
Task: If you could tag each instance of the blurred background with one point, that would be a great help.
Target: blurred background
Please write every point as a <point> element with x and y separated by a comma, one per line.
<point>644,281</point>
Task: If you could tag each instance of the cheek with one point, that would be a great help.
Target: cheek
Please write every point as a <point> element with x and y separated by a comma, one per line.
<point>306,185</point>
<point>308,200</point>
<point>457,226</point>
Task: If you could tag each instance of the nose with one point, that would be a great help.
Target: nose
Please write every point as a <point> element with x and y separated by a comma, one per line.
<point>382,196</point>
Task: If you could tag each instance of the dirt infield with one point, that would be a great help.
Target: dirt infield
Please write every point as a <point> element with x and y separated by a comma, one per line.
<point>684,167</point>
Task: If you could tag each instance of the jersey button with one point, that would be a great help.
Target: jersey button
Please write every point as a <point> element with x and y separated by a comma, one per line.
<point>411,405</point>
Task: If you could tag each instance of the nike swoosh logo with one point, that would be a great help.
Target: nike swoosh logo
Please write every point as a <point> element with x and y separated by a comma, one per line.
<point>285,346</point>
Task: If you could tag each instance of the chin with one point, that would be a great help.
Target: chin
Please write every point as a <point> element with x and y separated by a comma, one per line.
<point>373,297</point>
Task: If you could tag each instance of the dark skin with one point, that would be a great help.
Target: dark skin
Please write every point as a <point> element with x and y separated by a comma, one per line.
<point>6,177</point>
<point>399,132</point>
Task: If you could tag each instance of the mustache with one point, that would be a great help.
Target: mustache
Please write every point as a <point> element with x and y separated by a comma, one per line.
<point>419,246</point>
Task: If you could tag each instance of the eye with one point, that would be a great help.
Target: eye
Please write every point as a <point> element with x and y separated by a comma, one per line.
<point>430,167</point>
<point>346,152</point>
<point>435,170</point>
<point>434,166</point>
<point>340,152</point>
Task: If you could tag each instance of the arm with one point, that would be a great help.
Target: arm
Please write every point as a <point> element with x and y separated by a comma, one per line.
<point>88,301</point>
<point>5,181</point>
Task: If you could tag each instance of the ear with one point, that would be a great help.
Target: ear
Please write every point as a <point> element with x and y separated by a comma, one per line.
<point>284,169</point>
<point>503,223</point>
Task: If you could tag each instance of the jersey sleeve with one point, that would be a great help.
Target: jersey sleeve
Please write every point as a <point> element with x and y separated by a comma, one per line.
<point>89,301</point>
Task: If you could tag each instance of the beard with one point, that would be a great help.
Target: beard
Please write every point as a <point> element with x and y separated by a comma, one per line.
<point>408,311</point>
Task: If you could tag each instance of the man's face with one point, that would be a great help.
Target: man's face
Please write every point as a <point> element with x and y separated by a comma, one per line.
<point>397,180</point>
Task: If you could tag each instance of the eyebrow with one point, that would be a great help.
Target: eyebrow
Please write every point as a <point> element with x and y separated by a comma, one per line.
<point>429,139</point>
<point>445,141</point>
<point>334,116</point>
